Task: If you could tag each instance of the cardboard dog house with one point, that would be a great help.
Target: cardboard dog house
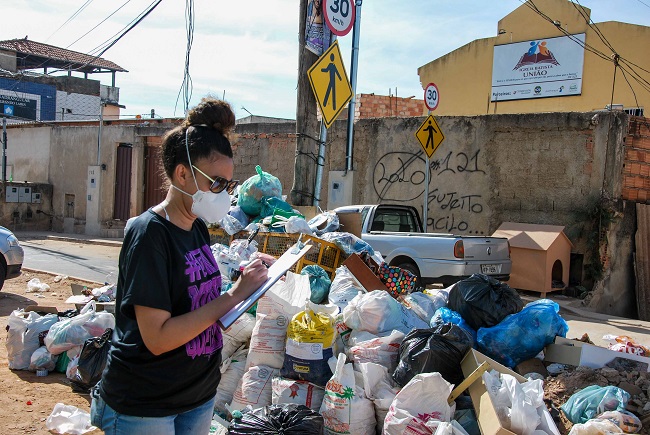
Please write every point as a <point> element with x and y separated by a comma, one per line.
<point>540,256</point>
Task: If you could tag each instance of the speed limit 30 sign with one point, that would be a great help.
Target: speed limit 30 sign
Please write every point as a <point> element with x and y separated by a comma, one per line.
<point>339,15</point>
<point>431,96</point>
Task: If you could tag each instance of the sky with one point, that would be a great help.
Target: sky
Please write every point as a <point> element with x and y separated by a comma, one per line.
<point>248,51</point>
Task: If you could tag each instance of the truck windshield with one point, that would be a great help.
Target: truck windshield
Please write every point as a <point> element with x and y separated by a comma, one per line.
<point>394,220</point>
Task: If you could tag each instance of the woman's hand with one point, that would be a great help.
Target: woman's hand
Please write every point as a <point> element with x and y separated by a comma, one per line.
<point>252,278</point>
<point>266,258</point>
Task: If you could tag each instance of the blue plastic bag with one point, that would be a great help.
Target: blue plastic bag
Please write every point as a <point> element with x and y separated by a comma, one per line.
<point>255,188</point>
<point>594,400</point>
<point>319,281</point>
<point>445,315</point>
<point>523,335</point>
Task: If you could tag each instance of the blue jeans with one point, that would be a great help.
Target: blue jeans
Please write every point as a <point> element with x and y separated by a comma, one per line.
<point>195,421</point>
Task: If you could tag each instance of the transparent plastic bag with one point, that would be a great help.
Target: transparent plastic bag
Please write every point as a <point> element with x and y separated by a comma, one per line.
<point>422,304</point>
<point>595,427</point>
<point>72,332</point>
<point>42,359</point>
<point>297,224</point>
<point>348,243</point>
<point>378,312</point>
<point>255,188</point>
<point>319,282</point>
<point>593,400</point>
<point>230,224</point>
<point>325,222</point>
<point>35,285</point>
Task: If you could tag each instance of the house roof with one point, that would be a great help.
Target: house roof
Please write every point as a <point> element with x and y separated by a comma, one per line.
<point>531,236</point>
<point>32,55</point>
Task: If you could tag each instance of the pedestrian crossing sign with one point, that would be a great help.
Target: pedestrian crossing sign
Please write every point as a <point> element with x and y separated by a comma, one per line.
<point>330,84</point>
<point>429,135</point>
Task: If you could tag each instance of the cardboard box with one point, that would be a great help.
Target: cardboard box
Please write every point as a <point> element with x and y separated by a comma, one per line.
<point>42,309</point>
<point>351,223</point>
<point>77,290</point>
<point>532,365</point>
<point>486,414</point>
<point>578,353</point>
<point>363,273</point>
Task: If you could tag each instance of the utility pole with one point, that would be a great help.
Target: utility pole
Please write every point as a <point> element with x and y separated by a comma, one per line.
<point>4,150</point>
<point>302,191</point>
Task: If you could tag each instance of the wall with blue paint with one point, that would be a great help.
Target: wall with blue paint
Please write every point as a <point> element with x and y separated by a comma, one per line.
<point>47,94</point>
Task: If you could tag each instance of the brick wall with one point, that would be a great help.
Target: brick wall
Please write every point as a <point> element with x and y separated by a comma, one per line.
<point>383,106</point>
<point>636,171</point>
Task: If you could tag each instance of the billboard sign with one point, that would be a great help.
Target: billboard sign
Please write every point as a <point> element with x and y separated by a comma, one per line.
<point>14,106</point>
<point>550,67</point>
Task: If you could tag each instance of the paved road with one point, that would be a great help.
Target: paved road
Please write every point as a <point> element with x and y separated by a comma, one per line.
<point>92,262</point>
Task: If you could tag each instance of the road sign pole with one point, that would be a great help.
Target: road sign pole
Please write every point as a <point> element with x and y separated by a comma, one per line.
<point>322,139</point>
<point>425,209</point>
<point>353,81</point>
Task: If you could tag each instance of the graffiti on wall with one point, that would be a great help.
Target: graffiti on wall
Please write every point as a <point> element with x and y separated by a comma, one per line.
<point>399,177</point>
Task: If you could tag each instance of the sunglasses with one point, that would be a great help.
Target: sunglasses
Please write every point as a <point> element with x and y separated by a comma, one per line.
<point>219,184</point>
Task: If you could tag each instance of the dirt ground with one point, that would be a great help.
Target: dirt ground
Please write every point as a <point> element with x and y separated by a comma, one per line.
<point>25,399</point>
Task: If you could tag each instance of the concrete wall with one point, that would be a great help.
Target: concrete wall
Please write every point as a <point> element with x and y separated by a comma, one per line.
<point>28,150</point>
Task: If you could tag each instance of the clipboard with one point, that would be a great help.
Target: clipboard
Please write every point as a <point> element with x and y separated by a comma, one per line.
<point>276,271</point>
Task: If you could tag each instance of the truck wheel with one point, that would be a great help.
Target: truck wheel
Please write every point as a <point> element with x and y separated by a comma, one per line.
<point>411,267</point>
<point>3,274</point>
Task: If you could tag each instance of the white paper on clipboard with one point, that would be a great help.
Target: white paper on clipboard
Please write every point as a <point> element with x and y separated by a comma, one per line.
<point>276,271</point>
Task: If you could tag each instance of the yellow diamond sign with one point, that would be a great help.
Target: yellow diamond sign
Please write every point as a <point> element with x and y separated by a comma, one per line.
<point>330,84</point>
<point>429,135</point>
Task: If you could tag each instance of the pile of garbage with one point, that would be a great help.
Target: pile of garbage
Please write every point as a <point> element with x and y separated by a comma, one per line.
<point>72,342</point>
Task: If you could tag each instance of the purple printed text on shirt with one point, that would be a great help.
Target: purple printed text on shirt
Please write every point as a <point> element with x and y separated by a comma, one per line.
<point>201,264</point>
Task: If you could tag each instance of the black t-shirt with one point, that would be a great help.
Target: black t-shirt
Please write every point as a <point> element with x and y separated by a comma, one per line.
<point>165,267</point>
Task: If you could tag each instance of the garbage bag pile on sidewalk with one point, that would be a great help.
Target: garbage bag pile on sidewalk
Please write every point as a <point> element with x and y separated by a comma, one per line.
<point>73,342</point>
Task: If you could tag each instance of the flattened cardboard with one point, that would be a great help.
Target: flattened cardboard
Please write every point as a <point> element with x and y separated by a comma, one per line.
<point>486,414</point>
<point>532,365</point>
<point>577,353</point>
<point>42,309</point>
<point>351,223</point>
<point>363,273</point>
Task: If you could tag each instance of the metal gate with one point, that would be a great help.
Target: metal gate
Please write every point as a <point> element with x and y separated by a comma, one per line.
<point>123,182</point>
<point>154,178</point>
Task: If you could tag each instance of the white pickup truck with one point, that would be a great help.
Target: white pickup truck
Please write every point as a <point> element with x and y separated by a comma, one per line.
<point>396,232</point>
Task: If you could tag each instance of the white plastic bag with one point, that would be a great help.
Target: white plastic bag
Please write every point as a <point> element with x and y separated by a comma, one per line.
<point>380,388</point>
<point>35,285</point>
<point>23,329</point>
<point>595,427</point>
<point>344,288</point>
<point>297,392</point>
<point>74,331</point>
<point>346,409</point>
<point>232,370</point>
<point>378,312</point>
<point>422,399</point>
<point>296,224</point>
<point>254,388</point>
<point>274,311</point>
<point>519,406</point>
<point>68,419</point>
<point>382,350</point>
<point>452,428</point>
<point>237,335</point>
<point>42,359</point>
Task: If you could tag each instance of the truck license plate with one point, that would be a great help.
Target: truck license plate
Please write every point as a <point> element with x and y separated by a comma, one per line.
<point>490,268</point>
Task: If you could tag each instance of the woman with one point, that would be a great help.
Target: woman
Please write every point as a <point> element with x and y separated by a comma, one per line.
<point>163,366</point>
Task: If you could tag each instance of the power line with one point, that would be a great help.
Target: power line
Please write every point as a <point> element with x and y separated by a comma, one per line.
<point>72,17</point>
<point>99,24</point>
<point>643,3</point>
<point>186,85</point>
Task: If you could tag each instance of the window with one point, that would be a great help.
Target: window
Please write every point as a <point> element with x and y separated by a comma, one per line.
<point>634,111</point>
<point>394,220</point>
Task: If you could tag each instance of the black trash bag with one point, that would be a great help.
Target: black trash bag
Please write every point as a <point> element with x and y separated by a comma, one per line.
<point>483,301</point>
<point>92,361</point>
<point>288,419</point>
<point>439,349</point>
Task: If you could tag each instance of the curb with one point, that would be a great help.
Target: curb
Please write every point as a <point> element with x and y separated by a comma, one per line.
<point>76,278</point>
<point>86,241</point>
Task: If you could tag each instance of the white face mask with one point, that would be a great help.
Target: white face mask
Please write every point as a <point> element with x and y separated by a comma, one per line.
<point>211,207</point>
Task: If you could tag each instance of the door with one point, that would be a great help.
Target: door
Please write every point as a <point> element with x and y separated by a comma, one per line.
<point>123,182</point>
<point>154,178</point>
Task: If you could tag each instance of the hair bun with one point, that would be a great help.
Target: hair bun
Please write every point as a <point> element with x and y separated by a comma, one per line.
<point>212,113</point>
